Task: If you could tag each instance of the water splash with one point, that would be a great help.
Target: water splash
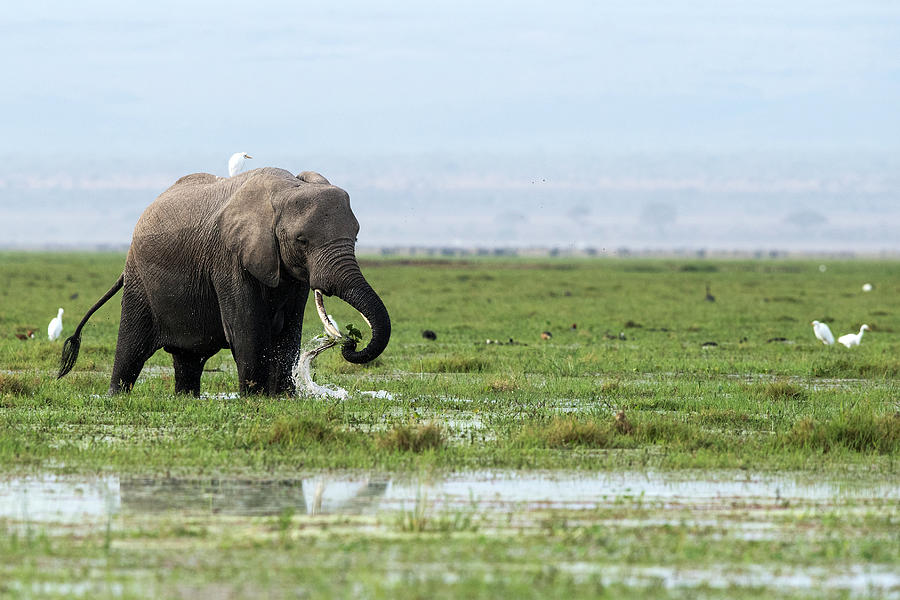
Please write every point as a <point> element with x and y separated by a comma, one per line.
<point>302,373</point>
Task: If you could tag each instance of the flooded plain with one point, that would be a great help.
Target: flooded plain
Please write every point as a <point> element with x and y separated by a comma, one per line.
<point>714,505</point>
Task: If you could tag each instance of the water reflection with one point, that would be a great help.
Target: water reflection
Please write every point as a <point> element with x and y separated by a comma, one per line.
<point>251,497</point>
<point>56,498</point>
<point>60,499</point>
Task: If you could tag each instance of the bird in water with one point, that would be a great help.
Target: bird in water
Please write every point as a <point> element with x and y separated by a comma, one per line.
<point>54,329</point>
<point>823,333</point>
<point>236,163</point>
<point>853,339</point>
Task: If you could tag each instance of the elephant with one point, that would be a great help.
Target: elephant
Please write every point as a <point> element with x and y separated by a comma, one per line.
<point>228,263</point>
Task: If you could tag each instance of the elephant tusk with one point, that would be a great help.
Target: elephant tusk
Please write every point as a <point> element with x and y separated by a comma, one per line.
<point>330,326</point>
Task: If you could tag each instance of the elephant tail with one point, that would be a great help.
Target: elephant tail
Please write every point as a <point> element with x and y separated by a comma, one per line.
<point>73,342</point>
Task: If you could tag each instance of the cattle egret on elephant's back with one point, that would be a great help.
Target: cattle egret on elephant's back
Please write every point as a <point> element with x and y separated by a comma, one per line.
<point>54,329</point>
<point>236,163</point>
<point>823,333</point>
<point>853,339</point>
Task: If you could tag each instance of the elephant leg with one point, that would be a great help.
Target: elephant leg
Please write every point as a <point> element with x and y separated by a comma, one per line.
<point>188,369</point>
<point>136,342</point>
<point>251,347</point>
<point>255,374</point>
<point>287,343</point>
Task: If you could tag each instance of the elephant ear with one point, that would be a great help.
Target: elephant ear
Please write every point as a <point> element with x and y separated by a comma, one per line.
<point>247,226</point>
<point>312,177</point>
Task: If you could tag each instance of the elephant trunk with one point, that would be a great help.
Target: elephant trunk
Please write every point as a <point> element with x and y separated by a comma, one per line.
<point>364,299</point>
<point>351,287</point>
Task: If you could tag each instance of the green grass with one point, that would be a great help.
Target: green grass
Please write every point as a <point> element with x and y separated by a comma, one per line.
<point>746,402</point>
<point>768,397</point>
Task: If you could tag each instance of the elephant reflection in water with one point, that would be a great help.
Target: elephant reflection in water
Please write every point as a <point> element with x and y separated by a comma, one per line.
<point>312,496</point>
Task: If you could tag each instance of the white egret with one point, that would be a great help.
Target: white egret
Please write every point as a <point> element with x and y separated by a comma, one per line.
<point>823,333</point>
<point>867,287</point>
<point>853,339</point>
<point>54,329</point>
<point>236,163</point>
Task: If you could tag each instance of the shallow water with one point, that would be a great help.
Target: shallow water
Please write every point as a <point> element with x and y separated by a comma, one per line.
<point>56,498</point>
<point>731,504</point>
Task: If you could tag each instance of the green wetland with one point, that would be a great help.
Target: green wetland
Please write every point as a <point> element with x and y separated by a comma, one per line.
<point>655,444</point>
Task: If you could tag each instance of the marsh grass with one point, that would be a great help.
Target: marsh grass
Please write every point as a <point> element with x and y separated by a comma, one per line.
<point>17,385</point>
<point>412,438</point>
<point>424,518</point>
<point>454,364</point>
<point>563,432</point>
<point>858,432</point>
<point>782,391</point>
<point>536,402</point>
<point>287,431</point>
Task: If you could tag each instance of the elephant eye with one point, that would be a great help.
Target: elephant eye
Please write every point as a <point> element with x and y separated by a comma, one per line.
<point>303,241</point>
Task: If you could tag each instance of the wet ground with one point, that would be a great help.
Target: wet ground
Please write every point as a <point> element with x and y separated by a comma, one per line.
<point>735,505</point>
<point>60,498</point>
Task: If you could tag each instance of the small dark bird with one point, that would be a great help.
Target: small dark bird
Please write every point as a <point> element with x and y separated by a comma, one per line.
<point>708,345</point>
<point>429,335</point>
<point>546,335</point>
<point>28,335</point>
<point>574,326</point>
<point>709,297</point>
<point>73,296</point>
<point>21,336</point>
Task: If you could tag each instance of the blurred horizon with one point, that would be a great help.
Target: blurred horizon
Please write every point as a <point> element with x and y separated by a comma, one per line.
<point>468,124</point>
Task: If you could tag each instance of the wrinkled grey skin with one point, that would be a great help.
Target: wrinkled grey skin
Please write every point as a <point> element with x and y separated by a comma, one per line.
<point>228,263</point>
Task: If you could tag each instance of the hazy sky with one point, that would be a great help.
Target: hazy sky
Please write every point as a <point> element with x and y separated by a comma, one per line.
<point>634,93</point>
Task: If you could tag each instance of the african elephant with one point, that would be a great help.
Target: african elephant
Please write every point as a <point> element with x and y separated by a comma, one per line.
<point>228,263</point>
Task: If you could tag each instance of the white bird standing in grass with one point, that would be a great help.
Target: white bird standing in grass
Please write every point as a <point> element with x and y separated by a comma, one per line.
<point>54,329</point>
<point>236,163</point>
<point>823,333</point>
<point>853,339</point>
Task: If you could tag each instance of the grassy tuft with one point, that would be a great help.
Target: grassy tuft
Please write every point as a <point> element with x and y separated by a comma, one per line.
<point>407,438</point>
<point>286,431</point>
<point>567,432</point>
<point>677,434</point>
<point>859,432</point>
<point>782,391</point>
<point>502,384</point>
<point>453,364</point>
<point>16,385</point>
